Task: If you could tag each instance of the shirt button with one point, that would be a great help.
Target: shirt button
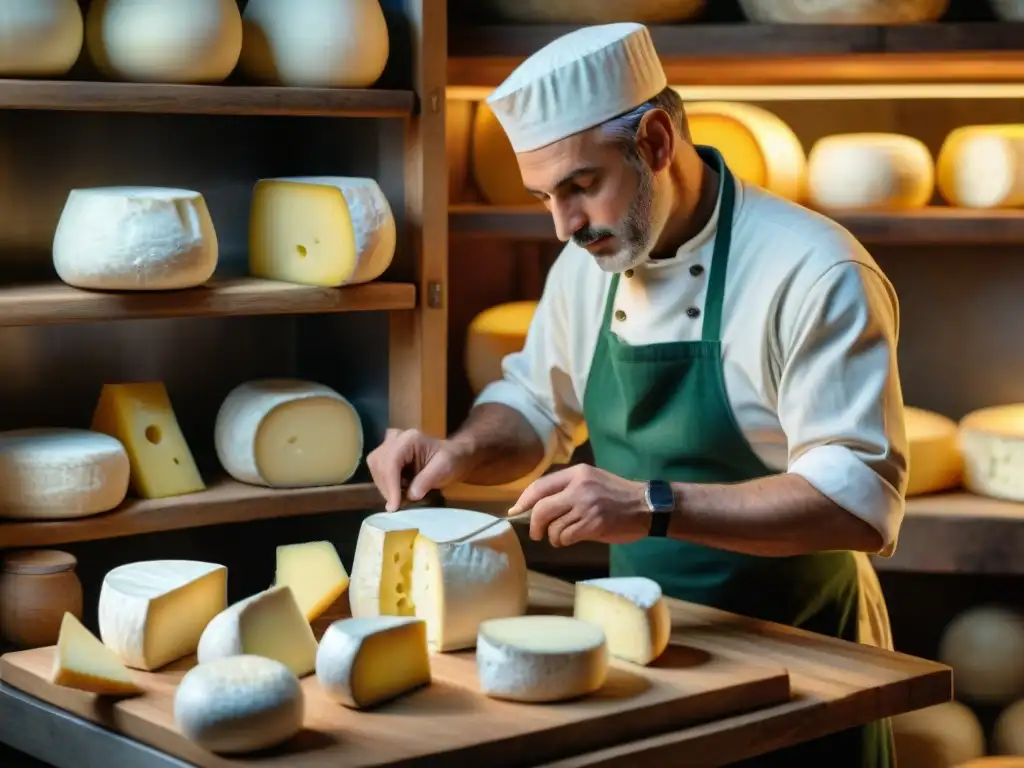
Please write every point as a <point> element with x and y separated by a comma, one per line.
<point>693,312</point>
<point>620,315</point>
<point>628,273</point>
<point>696,270</point>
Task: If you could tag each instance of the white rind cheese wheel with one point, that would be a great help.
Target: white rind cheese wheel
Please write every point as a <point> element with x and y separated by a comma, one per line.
<point>942,735</point>
<point>153,612</point>
<point>992,443</point>
<point>632,613</point>
<point>39,38</point>
<point>268,624</point>
<point>759,147</point>
<point>135,239</point>
<point>164,41</point>
<point>982,166</point>
<point>1008,733</point>
<point>870,171</point>
<point>874,12</point>
<point>239,704</point>
<point>82,662</point>
<point>590,12</point>
<point>315,43</point>
<point>363,662</point>
<point>408,563</point>
<point>493,162</point>
<point>321,230</point>
<point>935,460</point>
<point>58,474</point>
<point>284,433</point>
<point>983,646</point>
<point>540,659</point>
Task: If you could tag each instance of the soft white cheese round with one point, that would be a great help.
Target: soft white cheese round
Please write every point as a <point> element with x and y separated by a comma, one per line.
<point>39,38</point>
<point>239,704</point>
<point>135,239</point>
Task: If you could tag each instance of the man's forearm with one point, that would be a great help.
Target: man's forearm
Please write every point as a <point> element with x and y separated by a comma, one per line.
<point>775,516</point>
<point>504,445</point>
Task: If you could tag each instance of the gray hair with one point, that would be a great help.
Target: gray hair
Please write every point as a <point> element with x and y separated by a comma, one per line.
<point>623,129</point>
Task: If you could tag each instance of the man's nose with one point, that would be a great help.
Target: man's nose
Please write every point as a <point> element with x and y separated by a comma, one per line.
<point>568,221</point>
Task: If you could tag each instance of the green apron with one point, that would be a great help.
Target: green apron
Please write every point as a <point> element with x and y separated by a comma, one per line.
<point>660,412</point>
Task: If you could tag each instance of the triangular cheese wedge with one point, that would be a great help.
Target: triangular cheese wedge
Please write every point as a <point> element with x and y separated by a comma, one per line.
<point>81,661</point>
<point>314,572</point>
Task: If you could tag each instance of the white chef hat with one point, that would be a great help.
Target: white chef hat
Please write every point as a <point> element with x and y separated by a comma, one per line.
<point>577,82</point>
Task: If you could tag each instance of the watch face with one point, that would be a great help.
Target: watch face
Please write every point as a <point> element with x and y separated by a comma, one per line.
<point>661,497</point>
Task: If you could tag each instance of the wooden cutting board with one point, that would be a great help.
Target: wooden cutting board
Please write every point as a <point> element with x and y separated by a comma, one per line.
<point>447,723</point>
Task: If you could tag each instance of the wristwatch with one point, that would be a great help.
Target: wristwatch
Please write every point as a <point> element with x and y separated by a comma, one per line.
<point>662,503</point>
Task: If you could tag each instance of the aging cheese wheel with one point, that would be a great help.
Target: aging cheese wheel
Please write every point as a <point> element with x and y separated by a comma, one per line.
<point>164,41</point>
<point>935,460</point>
<point>942,735</point>
<point>984,647</point>
<point>495,169</point>
<point>39,38</point>
<point>599,12</point>
<point>879,12</point>
<point>992,442</point>
<point>1008,734</point>
<point>982,166</point>
<point>756,144</point>
<point>865,171</point>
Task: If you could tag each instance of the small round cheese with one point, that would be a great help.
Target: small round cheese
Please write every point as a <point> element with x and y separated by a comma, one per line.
<point>942,735</point>
<point>591,12</point>
<point>1008,733</point>
<point>540,658</point>
<point>57,474</point>
<point>493,161</point>
<point>239,704</point>
<point>992,443</point>
<point>39,38</point>
<point>874,12</point>
<point>135,239</point>
<point>984,647</point>
<point>982,166</point>
<point>315,43</point>
<point>935,460</point>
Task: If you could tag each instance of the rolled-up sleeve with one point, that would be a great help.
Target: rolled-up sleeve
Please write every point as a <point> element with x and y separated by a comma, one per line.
<point>840,402</point>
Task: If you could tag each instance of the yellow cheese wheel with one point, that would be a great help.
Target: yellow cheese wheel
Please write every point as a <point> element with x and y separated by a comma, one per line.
<point>982,166</point>
<point>1008,734</point>
<point>596,11</point>
<point>39,38</point>
<point>985,648</point>
<point>880,12</point>
<point>937,737</point>
<point>756,144</point>
<point>992,443</point>
<point>495,169</point>
<point>935,460</point>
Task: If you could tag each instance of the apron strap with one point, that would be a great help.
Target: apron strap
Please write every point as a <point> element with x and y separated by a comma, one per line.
<point>609,303</point>
<point>715,299</point>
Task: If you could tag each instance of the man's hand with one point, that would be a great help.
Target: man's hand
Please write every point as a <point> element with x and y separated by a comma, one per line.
<point>583,503</point>
<point>434,464</point>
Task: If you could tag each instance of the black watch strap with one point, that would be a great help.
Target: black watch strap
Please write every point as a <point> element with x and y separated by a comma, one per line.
<point>661,502</point>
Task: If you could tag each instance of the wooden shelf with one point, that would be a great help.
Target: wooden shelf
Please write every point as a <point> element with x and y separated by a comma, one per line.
<point>930,226</point>
<point>224,501</point>
<point>92,96</point>
<point>57,303</point>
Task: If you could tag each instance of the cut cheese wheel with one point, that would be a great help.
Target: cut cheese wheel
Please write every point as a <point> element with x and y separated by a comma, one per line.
<point>39,38</point>
<point>364,662</point>
<point>54,474</point>
<point>983,646</point>
<point>153,612</point>
<point>82,662</point>
<point>407,563</point>
<point>315,574</point>
<point>935,460</point>
<point>982,166</point>
<point>757,145</point>
<point>874,12</point>
<point>268,624</point>
<point>870,171</point>
<point>135,239</point>
<point>285,433</point>
<point>239,704</point>
<point>992,443</point>
<point>495,168</point>
<point>315,43</point>
<point>942,735</point>
<point>1008,733</point>
<point>320,230</point>
<point>540,658</point>
<point>164,41</point>
<point>632,613</point>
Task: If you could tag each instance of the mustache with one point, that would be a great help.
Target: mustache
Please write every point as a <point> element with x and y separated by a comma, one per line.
<point>587,235</point>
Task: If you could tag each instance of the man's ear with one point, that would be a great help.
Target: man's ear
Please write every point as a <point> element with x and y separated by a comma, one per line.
<point>656,139</point>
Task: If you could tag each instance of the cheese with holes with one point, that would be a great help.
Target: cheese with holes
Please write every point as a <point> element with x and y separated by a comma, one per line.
<point>982,166</point>
<point>935,460</point>
<point>50,473</point>
<point>39,38</point>
<point>992,443</point>
<point>270,624</point>
<point>540,658</point>
<point>141,417</point>
<point>285,433</point>
<point>135,239</point>
<point>759,147</point>
<point>153,612</point>
<point>874,12</point>
<point>984,646</point>
<point>870,171</point>
<point>82,662</point>
<point>320,230</point>
<point>315,574</point>
<point>408,563</point>
<point>493,161</point>
<point>947,734</point>
<point>632,612</point>
<point>164,41</point>
<point>239,704</point>
<point>363,662</point>
<point>315,43</point>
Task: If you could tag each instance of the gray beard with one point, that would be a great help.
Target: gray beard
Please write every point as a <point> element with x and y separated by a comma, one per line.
<point>634,232</point>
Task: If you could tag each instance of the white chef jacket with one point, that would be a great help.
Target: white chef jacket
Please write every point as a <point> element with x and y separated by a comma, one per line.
<point>809,332</point>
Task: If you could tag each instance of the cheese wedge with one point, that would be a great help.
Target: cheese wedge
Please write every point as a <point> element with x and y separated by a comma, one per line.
<point>81,661</point>
<point>632,613</point>
<point>315,574</point>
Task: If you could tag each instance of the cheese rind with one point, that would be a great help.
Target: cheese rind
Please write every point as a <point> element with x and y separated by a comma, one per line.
<point>57,474</point>
<point>982,166</point>
<point>39,38</point>
<point>153,612</point>
<point>631,611</point>
<point>239,704</point>
<point>540,658</point>
<point>410,563</point>
<point>82,662</point>
<point>493,161</point>
<point>992,444</point>
<point>269,624</point>
<point>363,662</point>
<point>935,460</point>
<point>135,239</point>
<point>315,574</point>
